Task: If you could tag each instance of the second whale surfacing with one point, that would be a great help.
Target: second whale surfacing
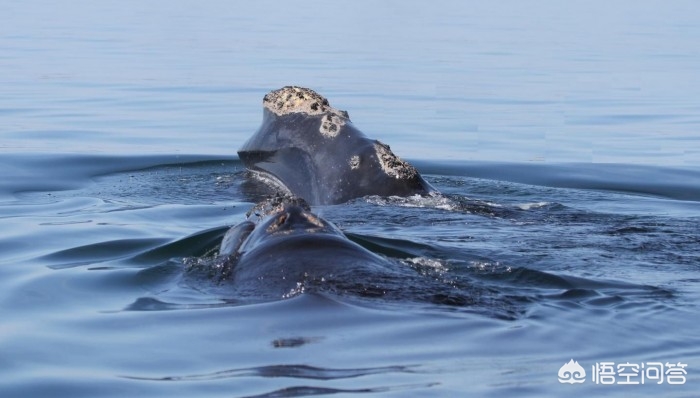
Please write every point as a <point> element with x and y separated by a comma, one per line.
<point>316,153</point>
<point>289,250</point>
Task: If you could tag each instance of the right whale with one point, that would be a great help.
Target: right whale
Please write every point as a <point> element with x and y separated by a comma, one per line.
<point>289,249</point>
<point>315,152</point>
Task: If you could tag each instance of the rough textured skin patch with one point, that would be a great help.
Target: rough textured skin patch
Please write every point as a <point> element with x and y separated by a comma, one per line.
<point>275,204</point>
<point>293,99</point>
<point>331,124</point>
<point>354,162</point>
<point>392,165</point>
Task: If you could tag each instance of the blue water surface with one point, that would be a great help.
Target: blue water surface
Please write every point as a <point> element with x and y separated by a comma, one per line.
<point>563,137</point>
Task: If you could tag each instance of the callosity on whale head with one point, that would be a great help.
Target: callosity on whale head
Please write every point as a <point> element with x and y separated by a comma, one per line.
<point>314,151</point>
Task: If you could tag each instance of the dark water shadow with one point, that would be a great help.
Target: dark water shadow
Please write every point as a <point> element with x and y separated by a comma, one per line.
<point>302,391</point>
<point>665,182</point>
<point>137,252</point>
<point>199,244</point>
<point>396,248</point>
<point>566,291</point>
<point>42,172</point>
<point>295,342</point>
<point>305,372</point>
<point>100,252</point>
<point>296,371</point>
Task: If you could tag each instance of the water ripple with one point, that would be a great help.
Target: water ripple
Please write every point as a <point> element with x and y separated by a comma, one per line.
<point>296,371</point>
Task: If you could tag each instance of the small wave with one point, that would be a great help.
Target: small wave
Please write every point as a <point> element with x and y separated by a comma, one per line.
<point>530,206</point>
<point>566,290</point>
<point>154,304</point>
<point>100,252</point>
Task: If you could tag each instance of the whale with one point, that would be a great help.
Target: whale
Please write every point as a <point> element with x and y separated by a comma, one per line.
<point>307,148</point>
<point>284,249</point>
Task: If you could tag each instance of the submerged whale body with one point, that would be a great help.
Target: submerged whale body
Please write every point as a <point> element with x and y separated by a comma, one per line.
<point>291,248</point>
<point>314,152</point>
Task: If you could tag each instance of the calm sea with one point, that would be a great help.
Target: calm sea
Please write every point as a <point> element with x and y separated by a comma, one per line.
<point>564,136</point>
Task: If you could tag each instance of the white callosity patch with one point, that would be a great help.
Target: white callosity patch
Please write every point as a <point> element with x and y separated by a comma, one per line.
<point>354,162</point>
<point>290,99</point>
<point>293,99</point>
<point>392,165</point>
<point>331,124</point>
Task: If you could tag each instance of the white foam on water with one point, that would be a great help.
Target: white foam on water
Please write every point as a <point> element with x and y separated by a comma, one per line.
<point>531,206</point>
<point>433,201</point>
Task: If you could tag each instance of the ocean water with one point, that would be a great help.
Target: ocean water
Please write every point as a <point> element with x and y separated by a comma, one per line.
<point>563,137</point>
